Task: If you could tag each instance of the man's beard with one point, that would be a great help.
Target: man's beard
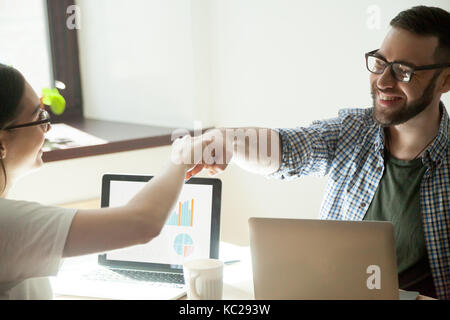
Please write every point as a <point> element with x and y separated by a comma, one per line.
<point>405,112</point>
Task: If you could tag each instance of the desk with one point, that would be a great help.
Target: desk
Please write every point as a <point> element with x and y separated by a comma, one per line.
<point>238,280</point>
<point>237,277</point>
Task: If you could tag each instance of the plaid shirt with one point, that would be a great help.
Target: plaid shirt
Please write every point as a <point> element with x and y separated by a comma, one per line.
<point>349,149</point>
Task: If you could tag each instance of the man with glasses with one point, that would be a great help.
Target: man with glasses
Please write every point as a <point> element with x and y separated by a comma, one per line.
<point>389,162</point>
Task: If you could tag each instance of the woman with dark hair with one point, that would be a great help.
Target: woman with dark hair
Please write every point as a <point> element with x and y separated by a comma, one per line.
<point>33,237</point>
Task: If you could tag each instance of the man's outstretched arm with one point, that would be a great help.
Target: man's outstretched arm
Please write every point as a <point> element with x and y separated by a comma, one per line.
<point>256,150</point>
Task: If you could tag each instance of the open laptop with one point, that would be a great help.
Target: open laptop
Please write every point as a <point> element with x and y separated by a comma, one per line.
<point>153,270</point>
<point>323,259</point>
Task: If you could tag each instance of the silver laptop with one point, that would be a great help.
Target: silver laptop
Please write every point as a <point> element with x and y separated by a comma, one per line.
<point>153,270</point>
<point>323,259</point>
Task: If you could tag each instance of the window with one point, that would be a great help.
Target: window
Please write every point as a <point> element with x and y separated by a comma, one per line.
<point>24,42</point>
<point>35,39</point>
<point>32,41</point>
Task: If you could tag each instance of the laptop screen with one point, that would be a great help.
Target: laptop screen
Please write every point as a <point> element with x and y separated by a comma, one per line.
<point>191,230</point>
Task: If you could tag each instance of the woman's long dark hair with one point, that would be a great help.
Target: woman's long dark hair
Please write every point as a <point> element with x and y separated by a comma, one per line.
<point>12,86</point>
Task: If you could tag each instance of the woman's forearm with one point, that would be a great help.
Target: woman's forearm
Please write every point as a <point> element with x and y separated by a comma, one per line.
<point>137,222</point>
<point>154,202</point>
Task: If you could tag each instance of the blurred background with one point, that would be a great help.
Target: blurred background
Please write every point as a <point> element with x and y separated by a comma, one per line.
<point>168,63</point>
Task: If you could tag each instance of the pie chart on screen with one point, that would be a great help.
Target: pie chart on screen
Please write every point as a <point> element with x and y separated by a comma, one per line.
<point>183,245</point>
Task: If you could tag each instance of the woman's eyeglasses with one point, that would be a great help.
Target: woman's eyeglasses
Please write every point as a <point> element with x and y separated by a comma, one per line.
<point>44,121</point>
<point>400,71</point>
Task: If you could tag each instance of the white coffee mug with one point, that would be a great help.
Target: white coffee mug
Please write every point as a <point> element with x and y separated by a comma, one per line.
<point>204,279</point>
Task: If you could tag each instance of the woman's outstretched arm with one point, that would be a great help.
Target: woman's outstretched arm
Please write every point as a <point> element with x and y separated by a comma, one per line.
<point>137,222</point>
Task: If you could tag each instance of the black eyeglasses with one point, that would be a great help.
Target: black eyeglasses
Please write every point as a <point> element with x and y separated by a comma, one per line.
<point>401,71</point>
<point>44,122</point>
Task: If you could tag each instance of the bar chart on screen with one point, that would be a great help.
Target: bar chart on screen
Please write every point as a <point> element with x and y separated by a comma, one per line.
<point>183,245</point>
<point>183,214</point>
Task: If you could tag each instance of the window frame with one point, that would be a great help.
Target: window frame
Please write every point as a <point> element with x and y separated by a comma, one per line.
<point>64,58</point>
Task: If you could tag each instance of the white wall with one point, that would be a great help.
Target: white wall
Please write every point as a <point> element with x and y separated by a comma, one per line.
<point>227,63</point>
<point>23,40</point>
<point>145,61</point>
<point>287,62</point>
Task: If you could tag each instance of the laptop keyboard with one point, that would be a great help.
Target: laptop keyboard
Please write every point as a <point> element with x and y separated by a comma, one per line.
<point>153,278</point>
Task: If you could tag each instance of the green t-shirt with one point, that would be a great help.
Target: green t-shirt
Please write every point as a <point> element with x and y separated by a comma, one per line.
<point>397,199</point>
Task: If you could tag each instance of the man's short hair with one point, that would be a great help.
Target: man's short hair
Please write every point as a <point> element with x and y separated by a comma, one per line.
<point>428,21</point>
